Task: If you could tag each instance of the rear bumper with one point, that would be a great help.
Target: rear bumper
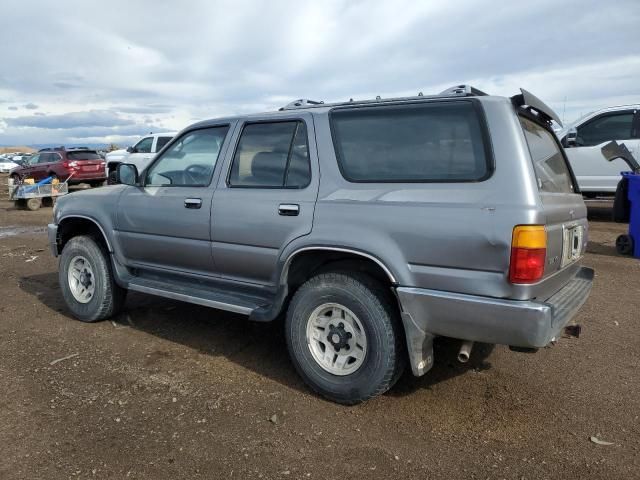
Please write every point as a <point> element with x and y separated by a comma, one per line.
<point>533,323</point>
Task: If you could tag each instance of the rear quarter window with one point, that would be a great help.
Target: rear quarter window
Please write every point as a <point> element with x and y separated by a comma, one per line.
<point>549,163</point>
<point>434,142</point>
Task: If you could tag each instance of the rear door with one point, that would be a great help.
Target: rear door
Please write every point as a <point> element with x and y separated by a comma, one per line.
<point>41,169</point>
<point>265,197</point>
<point>592,171</point>
<point>564,208</point>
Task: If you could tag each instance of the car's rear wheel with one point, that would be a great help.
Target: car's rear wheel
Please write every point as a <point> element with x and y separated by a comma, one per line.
<point>344,336</point>
<point>96,183</point>
<point>86,280</point>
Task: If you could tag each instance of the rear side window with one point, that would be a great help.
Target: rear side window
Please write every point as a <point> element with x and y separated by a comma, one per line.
<point>437,142</point>
<point>161,142</point>
<point>548,162</point>
<point>83,156</point>
<point>272,155</point>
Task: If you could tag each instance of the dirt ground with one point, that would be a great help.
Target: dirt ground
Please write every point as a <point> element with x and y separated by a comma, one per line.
<point>169,390</point>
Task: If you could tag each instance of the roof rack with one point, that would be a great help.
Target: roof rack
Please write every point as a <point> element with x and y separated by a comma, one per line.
<point>455,91</point>
<point>301,102</point>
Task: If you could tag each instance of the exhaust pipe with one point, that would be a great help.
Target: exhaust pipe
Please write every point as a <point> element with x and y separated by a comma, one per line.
<point>465,351</point>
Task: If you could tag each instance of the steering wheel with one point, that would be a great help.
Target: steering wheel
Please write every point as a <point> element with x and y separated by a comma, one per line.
<point>197,173</point>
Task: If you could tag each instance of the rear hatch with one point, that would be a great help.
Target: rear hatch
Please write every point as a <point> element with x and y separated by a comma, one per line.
<point>564,209</point>
<point>86,161</point>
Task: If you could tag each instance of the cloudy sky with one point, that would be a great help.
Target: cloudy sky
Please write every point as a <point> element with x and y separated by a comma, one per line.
<point>111,70</point>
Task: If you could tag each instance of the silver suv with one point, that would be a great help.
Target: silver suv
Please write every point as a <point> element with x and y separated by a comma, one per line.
<point>372,226</point>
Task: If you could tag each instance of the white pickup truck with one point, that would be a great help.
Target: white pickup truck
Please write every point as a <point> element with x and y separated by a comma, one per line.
<point>139,154</point>
<point>584,139</point>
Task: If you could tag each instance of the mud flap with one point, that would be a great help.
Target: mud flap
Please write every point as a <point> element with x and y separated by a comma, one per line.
<point>419,346</point>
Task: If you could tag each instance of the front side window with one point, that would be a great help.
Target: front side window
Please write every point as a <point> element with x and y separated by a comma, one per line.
<point>144,145</point>
<point>604,129</point>
<point>272,155</point>
<point>190,161</point>
<point>548,162</point>
<point>34,159</point>
<point>45,158</point>
<point>441,142</point>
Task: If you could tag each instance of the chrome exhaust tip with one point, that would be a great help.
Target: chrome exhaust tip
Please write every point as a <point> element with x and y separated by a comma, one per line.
<point>465,351</point>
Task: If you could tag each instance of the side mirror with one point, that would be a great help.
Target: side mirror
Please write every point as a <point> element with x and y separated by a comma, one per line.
<point>127,174</point>
<point>131,150</point>
<point>572,137</point>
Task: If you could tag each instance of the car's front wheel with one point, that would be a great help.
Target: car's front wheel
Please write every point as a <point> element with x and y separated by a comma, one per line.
<point>86,279</point>
<point>344,336</point>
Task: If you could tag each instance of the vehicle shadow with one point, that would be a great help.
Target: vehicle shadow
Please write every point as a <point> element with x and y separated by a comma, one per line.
<point>256,346</point>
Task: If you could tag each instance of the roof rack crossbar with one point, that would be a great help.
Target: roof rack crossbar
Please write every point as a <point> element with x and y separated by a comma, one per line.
<point>466,90</point>
<point>301,103</point>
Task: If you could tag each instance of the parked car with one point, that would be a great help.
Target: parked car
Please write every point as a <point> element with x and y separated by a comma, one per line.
<point>6,165</point>
<point>374,226</point>
<point>139,154</point>
<point>585,138</point>
<point>82,165</point>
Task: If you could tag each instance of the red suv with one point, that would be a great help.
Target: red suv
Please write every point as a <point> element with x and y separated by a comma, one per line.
<point>81,164</point>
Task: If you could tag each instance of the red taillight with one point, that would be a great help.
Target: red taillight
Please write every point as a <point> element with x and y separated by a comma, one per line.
<point>528,254</point>
<point>527,264</point>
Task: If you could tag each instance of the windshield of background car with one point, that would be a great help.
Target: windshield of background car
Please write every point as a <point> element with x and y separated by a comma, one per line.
<point>85,155</point>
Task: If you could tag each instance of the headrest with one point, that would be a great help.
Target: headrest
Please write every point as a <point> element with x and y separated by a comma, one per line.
<point>267,168</point>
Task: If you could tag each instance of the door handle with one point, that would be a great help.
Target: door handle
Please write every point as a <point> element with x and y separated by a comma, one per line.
<point>192,202</point>
<point>288,209</point>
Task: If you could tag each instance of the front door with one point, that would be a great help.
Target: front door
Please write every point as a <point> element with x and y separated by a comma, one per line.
<point>164,222</point>
<point>593,172</point>
<point>265,197</point>
<point>142,154</point>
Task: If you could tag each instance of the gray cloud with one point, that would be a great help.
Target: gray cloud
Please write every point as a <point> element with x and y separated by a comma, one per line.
<point>195,63</point>
<point>92,118</point>
<point>12,108</point>
<point>30,106</point>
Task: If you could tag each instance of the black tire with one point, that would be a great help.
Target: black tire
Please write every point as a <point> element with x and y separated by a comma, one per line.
<point>376,310</point>
<point>624,244</point>
<point>112,178</point>
<point>108,297</point>
<point>621,204</point>
<point>96,184</point>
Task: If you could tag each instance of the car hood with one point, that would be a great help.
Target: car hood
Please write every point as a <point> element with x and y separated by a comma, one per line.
<point>116,154</point>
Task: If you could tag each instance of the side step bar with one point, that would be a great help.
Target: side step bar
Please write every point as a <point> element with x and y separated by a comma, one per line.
<point>198,300</point>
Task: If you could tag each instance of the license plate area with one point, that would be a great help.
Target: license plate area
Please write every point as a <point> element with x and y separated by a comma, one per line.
<point>573,236</point>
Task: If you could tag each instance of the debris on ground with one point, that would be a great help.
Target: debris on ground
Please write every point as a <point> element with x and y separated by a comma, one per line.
<point>597,441</point>
<point>64,358</point>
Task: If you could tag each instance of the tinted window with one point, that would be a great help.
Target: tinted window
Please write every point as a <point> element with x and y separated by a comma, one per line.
<point>271,155</point>
<point>144,145</point>
<point>548,162</point>
<point>162,141</point>
<point>428,142</point>
<point>83,156</point>
<point>605,128</point>
<point>45,158</point>
<point>190,161</point>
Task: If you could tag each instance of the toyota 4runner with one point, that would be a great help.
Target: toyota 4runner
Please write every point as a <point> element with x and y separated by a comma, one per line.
<point>371,226</point>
